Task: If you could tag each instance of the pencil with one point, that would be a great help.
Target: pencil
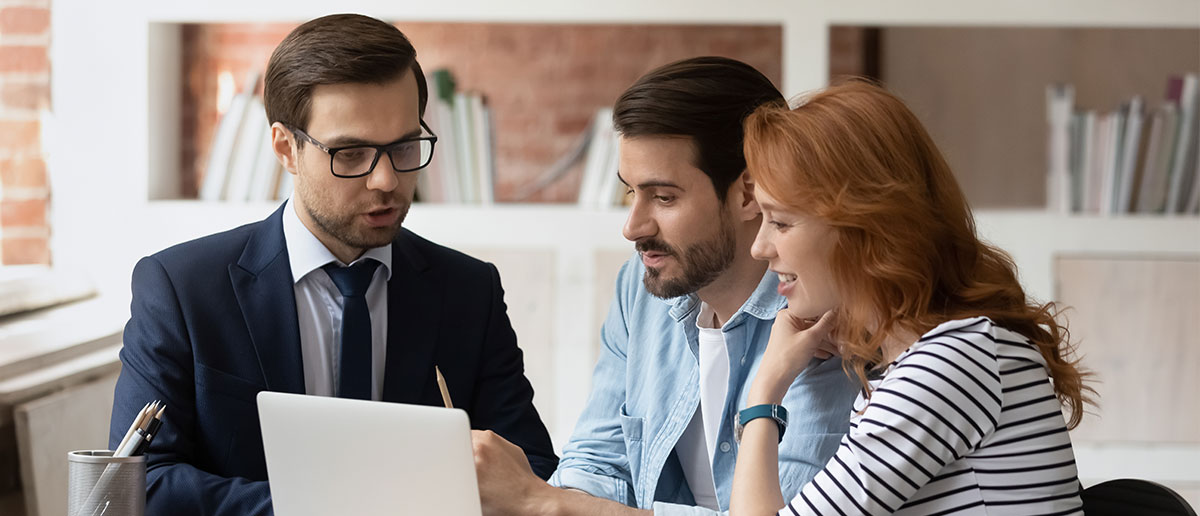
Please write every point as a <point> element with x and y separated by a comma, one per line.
<point>442,386</point>
<point>137,423</point>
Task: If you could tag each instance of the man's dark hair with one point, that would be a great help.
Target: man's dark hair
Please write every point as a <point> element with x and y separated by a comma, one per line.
<point>335,49</point>
<point>705,99</point>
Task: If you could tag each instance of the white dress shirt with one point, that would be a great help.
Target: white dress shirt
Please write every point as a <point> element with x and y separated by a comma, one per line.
<point>698,444</point>
<point>319,307</point>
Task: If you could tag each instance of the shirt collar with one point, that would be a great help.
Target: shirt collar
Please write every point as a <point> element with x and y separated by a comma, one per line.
<point>763,303</point>
<point>306,253</point>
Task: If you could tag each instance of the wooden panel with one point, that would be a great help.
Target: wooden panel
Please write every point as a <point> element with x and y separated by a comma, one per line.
<point>1137,322</point>
<point>981,91</point>
<point>528,280</point>
<point>48,428</point>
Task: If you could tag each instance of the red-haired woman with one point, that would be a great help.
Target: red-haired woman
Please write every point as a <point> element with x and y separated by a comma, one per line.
<point>965,379</point>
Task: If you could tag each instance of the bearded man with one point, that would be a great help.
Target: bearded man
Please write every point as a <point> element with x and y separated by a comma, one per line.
<point>688,325</point>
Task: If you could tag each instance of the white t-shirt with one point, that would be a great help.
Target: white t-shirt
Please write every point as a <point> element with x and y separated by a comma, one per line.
<point>698,444</point>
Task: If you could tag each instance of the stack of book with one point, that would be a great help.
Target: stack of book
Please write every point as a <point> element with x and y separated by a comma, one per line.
<point>241,165</point>
<point>463,169</point>
<point>600,186</point>
<point>1132,160</point>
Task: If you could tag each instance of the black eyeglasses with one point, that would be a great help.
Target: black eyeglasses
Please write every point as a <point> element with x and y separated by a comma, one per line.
<point>405,155</point>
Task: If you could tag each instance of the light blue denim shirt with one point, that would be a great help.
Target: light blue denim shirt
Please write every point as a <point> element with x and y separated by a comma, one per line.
<point>645,390</point>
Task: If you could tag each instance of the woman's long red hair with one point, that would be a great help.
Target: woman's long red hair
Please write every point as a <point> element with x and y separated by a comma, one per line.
<point>906,256</point>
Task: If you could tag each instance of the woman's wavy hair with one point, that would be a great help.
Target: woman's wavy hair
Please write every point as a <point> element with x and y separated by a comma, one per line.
<point>906,256</point>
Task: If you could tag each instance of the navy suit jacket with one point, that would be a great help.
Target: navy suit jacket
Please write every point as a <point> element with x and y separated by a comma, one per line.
<point>214,322</point>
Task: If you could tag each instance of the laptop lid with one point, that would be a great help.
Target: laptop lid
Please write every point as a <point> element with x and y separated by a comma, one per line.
<point>340,456</point>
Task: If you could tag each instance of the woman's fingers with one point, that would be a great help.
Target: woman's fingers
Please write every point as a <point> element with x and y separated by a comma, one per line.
<point>824,324</point>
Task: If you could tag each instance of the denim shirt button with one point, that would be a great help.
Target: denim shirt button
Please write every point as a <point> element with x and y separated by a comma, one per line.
<point>725,446</point>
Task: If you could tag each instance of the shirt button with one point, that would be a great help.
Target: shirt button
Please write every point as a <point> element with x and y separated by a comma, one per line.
<point>743,359</point>
<point>725,446</point>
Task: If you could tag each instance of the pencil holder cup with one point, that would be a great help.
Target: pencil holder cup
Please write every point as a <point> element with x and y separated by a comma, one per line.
<point>102,485</point>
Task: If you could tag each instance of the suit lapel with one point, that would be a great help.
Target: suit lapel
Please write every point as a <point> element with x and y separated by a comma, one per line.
<point>413,304</point>
<point>262,282</point>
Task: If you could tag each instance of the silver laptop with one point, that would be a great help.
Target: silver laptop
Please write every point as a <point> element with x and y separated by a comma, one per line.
<point>338,456</point>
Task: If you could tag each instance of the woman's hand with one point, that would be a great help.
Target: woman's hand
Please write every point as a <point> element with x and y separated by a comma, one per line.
<point>794,342</point>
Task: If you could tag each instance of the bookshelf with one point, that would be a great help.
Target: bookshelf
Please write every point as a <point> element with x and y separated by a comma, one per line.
<point>103,170</point>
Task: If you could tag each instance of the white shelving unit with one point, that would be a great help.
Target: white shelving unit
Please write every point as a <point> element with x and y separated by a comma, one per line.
<point>111,152</point>
<point>118,136</point>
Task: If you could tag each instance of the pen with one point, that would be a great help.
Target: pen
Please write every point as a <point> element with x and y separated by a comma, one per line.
<point>151,431</point>
<point>140,422</point>
<point>138,435</point>
<point>442,386</point>
<point>145,425</point>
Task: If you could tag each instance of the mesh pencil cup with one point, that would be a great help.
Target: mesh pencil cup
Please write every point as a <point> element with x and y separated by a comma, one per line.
<point>103,485</point>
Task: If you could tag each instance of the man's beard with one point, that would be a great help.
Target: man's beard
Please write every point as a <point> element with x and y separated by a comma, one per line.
<point>701,263</point>
<point>341,227</point>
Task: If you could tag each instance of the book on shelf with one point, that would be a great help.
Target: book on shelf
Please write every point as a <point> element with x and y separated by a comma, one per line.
<point>1182,168</point>
<point>1133,159</point>
<point>596,148</point>
<point>439,181</point>
<point>1152,196</point>
<point>598,187</point>
<point>252,140</point>
<point>1111,155</point>
<point>1142,160</point>
<point>463,167</point>
<point>560,168</point>
<point>1098,162</point>
<point>464,137</point>
<point>485,166</point>
<point>1060,98</point>
<point>225,140</point>
<point>1193,205</point>
<point>1129,147</point>
<point>242,166</point>
<point>1085,173</point>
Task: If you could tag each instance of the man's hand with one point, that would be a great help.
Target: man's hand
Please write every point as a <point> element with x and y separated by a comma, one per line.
<point>507,485</point>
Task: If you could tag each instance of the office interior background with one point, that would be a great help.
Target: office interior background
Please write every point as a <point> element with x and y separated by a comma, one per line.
<point>129,126</point>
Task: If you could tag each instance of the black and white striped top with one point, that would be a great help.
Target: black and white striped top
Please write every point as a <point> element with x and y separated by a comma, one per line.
<point>963,422</point>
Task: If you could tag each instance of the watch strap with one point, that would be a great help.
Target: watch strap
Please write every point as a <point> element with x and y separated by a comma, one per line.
<point>775,412</point>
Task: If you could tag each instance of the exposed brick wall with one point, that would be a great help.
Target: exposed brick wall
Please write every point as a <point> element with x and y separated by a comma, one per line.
<point>543,82</point>
<point>24,96</point>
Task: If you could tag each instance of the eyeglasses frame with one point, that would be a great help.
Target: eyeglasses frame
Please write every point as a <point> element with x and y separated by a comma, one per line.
<point>380,150</point>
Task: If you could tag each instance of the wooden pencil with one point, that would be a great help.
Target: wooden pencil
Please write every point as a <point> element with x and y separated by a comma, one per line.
<point>441,381</point>
<point>137,423</point>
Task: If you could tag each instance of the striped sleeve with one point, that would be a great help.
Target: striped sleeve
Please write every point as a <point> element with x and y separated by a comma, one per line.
<point>934,406</point>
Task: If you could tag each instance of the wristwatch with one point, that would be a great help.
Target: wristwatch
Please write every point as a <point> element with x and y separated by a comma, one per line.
<point>776,412</point>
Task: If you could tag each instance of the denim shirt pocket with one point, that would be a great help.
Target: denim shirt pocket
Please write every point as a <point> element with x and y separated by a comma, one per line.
<point>631,428</point>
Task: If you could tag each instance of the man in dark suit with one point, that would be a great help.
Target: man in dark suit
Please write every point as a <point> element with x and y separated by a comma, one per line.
<point>327,296</point>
